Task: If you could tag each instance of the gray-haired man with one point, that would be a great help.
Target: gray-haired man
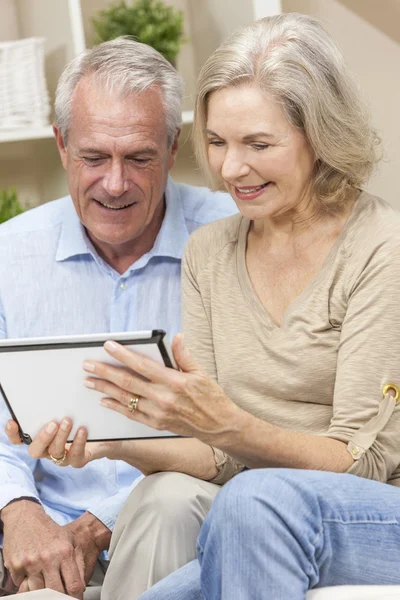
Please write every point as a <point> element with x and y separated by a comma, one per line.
<point>105,258</point>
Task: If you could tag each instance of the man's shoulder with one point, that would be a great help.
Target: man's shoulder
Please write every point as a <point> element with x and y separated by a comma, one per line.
<point>37,219</point>
<point>201,205</point>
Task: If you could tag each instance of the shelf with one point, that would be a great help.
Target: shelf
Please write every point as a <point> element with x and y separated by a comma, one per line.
<point>20,135</point>
<point>38,133</point>
<point>187,117</point>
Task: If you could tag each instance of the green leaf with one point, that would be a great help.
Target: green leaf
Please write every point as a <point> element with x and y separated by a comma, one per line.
<point>149,21</point>
<point>9,205</point>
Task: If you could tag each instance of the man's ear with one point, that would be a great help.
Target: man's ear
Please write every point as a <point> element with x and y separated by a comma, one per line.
<point>174,149</point>
<point>62,148</point>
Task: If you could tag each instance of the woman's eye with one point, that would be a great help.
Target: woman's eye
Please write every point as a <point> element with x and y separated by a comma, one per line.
<point>260,146</point>
<point>217,143</point>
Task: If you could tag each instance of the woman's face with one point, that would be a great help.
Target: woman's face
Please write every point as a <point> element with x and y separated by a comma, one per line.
<point>265,162</point>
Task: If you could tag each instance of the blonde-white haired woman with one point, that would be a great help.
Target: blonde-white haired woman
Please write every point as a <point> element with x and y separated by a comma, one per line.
<point>291,317</point>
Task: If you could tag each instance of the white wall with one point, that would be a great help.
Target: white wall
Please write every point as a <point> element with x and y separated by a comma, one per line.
<point>368,33</point>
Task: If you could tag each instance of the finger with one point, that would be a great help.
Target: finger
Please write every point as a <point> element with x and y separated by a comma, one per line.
<point>145,366</point>
<point>129,385</point>
<point>39,447</point>
<point>35,582</point>
<point>12,432</point>
<point>24,587</point>
<point>151,420</point>
<point>77,450</point>
<point>71,575</point>
<point>53,581</point>
<point>57,446</point>
<point>183,357</point>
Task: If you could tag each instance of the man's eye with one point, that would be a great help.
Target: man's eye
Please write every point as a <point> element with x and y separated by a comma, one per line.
<point>140,161</point>
<point>92,160</point>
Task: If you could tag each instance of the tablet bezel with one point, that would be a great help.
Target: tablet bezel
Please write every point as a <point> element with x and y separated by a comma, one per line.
<point>155,336</point>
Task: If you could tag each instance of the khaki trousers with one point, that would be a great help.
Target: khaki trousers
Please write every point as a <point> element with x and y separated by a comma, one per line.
<point>156,532</point>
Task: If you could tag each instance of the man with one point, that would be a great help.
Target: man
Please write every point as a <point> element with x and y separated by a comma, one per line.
<point>105,258</point>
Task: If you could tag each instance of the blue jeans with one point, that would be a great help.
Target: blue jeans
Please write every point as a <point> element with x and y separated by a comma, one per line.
<point>273,534</point>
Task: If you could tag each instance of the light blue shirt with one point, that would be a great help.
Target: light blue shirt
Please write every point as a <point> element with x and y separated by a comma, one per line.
<point>52,282</point>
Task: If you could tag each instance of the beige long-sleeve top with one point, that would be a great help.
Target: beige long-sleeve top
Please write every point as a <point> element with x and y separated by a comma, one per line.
<point>323,370</point>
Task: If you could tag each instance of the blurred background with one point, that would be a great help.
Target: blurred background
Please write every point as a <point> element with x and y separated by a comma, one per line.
<point>368,32</point>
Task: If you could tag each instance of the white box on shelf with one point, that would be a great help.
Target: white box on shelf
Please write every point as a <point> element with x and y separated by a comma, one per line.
<point>24,100</point>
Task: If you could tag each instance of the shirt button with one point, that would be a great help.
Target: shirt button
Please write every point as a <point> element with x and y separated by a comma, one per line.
<point>122,285</point>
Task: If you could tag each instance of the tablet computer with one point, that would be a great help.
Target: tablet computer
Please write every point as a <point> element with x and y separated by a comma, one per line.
<point>41,380</point>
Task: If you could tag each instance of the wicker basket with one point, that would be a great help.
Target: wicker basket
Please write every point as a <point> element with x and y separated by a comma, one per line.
<point>24,100</point>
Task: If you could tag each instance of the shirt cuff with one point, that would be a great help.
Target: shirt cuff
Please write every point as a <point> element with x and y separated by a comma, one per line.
<point>16,492</point>
<point>108,510</point>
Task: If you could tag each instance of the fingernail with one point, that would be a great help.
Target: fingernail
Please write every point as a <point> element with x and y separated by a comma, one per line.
<point>88,366</point>
<point>89,384</point>
<point>51,427</point>
<point>81,433</point>
<point>8,426</point>
<point>64,425</point>
<point>105,403</point>
<point>111,346</point>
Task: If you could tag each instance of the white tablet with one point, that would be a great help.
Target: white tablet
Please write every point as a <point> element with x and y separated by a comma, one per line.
<point>41,380</point>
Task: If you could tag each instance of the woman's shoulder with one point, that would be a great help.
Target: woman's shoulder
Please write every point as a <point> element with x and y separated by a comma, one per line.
<point>373,223</point>
<point>209,240</point>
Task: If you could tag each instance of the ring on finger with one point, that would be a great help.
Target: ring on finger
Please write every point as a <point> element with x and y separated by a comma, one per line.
<point>133,403</point>
<point>59,461</point>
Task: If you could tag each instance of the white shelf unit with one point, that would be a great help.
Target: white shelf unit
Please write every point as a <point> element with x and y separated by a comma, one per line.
<point>29,157</point>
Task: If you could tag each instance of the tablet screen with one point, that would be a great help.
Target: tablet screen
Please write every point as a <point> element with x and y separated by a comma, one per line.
<point>41,380</point>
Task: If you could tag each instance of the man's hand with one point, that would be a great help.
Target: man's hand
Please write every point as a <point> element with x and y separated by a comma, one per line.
<point>39,553</point>
<point>92,537</point>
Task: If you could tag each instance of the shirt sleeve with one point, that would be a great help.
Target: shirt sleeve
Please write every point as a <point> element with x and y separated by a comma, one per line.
<point>107,511</point>
<point>198,338</point>
<point>16,465</point>
<point>368,359</point>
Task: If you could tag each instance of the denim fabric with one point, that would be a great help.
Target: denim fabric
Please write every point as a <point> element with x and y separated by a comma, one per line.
<point>272,534</point>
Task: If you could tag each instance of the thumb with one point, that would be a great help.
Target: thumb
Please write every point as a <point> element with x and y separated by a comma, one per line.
<point>183,357</point>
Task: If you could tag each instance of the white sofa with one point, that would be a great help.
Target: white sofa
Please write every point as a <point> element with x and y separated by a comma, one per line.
<point>356,592</point>
<point>341,592</point>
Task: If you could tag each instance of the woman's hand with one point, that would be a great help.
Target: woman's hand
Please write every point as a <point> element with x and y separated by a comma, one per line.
<point>51,443</point>
<point>186,402</point>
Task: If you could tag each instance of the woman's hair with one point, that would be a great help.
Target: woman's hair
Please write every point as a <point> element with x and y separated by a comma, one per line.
<point>294,61</point>
<point>125,66</point>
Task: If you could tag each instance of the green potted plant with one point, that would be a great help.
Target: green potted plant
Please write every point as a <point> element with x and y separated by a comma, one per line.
<point>148,21</point>
<point>9,204</point>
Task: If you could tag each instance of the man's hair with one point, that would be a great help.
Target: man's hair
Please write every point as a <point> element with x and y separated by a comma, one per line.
<point>294,61</point>
<point>123,66</point>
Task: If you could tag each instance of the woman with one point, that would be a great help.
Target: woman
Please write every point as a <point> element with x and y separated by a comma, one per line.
<point>290,309</point>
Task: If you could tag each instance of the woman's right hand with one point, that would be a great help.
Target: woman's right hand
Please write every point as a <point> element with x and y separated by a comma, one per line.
<point>51,443</point>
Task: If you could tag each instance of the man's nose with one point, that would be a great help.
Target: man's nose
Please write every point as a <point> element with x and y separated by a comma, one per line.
<point>114,180</point>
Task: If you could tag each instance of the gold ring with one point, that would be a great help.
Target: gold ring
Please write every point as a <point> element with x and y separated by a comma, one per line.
<point>59,461</point>
<point>133,402</point>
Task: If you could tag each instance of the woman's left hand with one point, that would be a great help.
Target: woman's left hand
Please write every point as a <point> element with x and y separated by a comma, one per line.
<point>186,402</point>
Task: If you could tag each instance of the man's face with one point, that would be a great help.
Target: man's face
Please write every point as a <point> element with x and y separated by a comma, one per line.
<point>117,161</point>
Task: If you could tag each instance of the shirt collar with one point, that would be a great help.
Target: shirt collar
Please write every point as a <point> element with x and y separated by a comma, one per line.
<point>73,240</point>
<point>170,241</point>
